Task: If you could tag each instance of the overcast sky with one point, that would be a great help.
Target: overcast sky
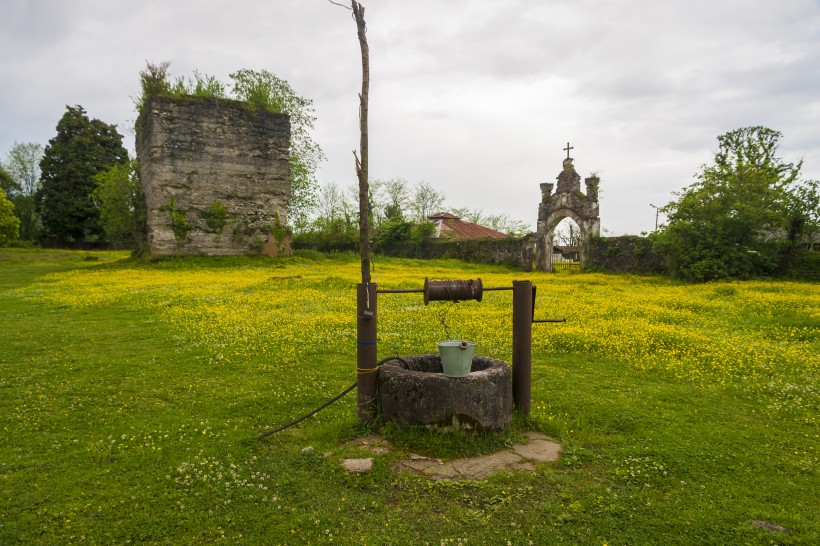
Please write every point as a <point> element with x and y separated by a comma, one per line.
<point>476,97</point>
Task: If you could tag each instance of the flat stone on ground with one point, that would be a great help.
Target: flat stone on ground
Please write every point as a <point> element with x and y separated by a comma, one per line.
<point>477,468</point>
<point>540,448</point>
<point>357,466</point>
<point>774,528</point>
<point>418,465</point>
<point>373,443</point>
<point>443,471</point>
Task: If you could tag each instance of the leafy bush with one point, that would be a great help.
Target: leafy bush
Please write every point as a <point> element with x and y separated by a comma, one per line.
<point>116,194</point>
<point>338,235</point>
<point>745,216</point>
<point>391,232</point>
<point>9,223</point>
<point>423,231</point>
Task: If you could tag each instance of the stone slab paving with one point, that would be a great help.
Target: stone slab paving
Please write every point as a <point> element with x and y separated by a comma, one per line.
<point>520,457</point>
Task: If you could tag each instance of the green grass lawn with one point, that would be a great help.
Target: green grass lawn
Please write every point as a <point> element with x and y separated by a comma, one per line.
<point>131,393</point>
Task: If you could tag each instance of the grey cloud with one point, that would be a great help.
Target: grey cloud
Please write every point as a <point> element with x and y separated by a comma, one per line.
<point>465,93</point>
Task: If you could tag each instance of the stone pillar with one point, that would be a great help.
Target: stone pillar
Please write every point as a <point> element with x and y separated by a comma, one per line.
<point>592,183</point>
<point>549,243</point>
<point>541,256</point>
<point>546,191</point>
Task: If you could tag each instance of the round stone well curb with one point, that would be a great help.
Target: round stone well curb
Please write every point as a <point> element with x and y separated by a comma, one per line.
<point>420,393</point>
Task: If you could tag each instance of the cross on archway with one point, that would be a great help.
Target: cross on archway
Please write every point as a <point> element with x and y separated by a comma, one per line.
<point>568,148</point>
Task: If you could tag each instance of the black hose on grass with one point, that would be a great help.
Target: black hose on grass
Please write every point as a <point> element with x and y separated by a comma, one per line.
<point>302,418</point>
<point>329,402</point>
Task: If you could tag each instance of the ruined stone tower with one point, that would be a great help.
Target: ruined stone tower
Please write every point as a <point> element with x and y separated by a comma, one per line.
<point>215,176</point>
<point>567,202</point>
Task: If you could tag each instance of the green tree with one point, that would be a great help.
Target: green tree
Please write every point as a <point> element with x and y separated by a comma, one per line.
<point>7,183</point>
<point>391,232</point>
<point>389,200</point>
<point>117,195</point>
<point>264,90</point>
<point>82,149</point>
<point>804,213</point>
<point>23,165</point>
<point>9,223</point>
<point>738,218</point>
<point>335,227</point>
<point>332,204</point>
<point>425,201</point>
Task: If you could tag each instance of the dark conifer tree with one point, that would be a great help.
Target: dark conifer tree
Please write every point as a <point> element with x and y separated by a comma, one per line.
<point>82,148</point>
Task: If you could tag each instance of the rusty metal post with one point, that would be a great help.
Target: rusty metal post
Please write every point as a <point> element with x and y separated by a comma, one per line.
<point>522,345</point>
<point>366,350</point>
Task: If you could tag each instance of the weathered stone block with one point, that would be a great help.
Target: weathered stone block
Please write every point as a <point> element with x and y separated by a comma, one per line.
<point>423,395</point>
<point>199,155</point>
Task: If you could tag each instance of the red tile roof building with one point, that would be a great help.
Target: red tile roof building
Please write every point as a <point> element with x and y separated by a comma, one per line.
<point>450,226</point>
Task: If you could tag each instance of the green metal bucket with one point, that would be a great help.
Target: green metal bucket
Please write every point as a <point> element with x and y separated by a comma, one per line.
<point>456,357</point>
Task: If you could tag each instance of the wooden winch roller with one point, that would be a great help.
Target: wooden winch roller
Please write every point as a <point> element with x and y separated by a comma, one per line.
<point>452,290</point>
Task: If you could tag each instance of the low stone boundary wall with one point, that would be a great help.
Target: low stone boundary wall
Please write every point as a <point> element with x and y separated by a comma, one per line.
<point>518,253</point>
<point>626,254</point>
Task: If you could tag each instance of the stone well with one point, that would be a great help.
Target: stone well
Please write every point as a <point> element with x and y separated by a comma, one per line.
<point>421,394</point>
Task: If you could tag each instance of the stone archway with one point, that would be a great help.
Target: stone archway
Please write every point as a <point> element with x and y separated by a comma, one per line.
<point>549,237</point>
<point>567,202</point>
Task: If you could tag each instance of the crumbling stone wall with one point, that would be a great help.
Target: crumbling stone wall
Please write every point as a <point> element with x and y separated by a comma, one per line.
<point>215,176</point>
<point>625,254</point>
<point>567,202</point>
<point>512,252</point>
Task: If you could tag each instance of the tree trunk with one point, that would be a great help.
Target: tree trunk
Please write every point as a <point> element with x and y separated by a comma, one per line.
<point>361,164</point>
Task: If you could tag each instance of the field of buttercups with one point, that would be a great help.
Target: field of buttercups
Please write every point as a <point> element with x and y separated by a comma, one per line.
<point>280,316</point>
<point>132,391</point>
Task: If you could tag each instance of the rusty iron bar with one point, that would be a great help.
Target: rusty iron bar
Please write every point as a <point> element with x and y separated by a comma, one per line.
<point>366,350</point>
<point>534,320</point>
<point>522,345</point>
<point>421,290</point>
<point>402,291</point>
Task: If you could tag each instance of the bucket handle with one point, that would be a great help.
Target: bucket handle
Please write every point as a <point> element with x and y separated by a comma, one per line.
<point>463,345</point>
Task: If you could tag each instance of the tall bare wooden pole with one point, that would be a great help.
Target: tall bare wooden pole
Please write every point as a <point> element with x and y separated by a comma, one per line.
<point>366,312</point>
<point>361,163</point>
